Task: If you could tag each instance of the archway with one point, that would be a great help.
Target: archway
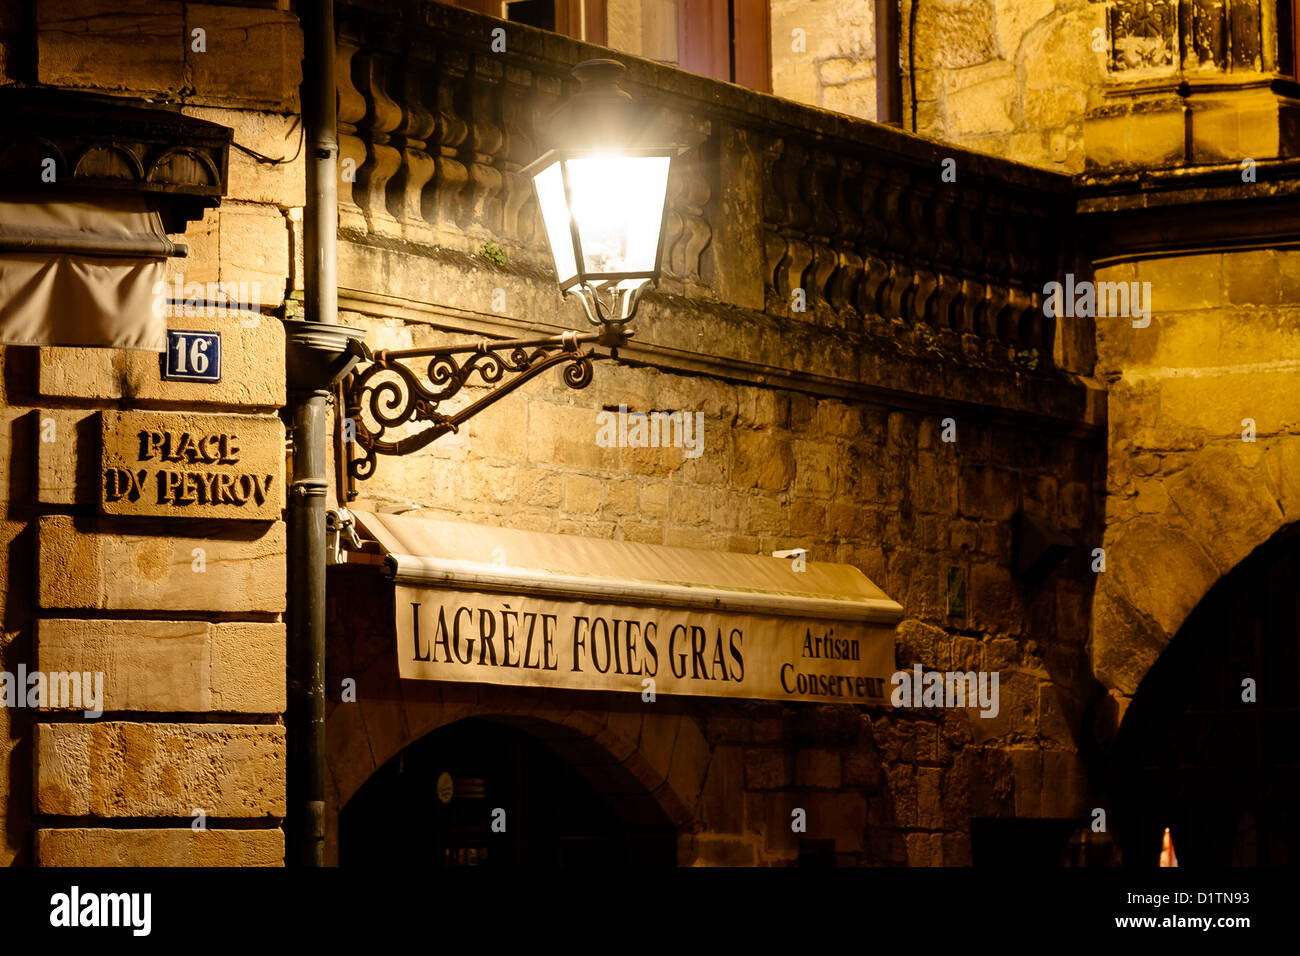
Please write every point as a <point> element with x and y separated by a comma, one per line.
<point>490,792</point>
<point>1221,772</point>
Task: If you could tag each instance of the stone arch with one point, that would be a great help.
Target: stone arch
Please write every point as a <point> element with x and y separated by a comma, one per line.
<point>1205,752</point>
<point>624,748</point>
<point>1178,535</point>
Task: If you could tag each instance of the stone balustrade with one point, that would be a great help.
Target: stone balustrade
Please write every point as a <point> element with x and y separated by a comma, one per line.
<point>440,109</point>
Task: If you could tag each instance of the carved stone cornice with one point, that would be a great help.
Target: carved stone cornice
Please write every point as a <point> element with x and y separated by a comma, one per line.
<point>61,144</point>
<point>851,229</point>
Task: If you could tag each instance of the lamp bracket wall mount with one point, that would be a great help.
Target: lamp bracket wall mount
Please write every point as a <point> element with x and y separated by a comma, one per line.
<point>388,395</point>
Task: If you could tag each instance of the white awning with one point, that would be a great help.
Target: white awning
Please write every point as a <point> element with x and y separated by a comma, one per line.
<point>453,554</point>
<point>83,273</point>
<point>500,605</point>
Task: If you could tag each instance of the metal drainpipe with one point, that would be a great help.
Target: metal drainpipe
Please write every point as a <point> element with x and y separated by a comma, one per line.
<point>306,558</point>
<point>889,93</point>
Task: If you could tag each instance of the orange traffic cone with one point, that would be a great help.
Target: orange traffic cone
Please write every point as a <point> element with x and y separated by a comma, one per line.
<point>1167,855</point>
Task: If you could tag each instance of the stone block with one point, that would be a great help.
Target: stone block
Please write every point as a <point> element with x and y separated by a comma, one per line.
<point>767,769</point>
<point>255,250</point>
<point>1028,768</point>
<point>761,460</point>
<point>984,104</point>
<point>929,789</point>
<point>722,800</point>
<point>135,46</point>
<point>186,465</point>
<point>178,666</point>
<point>96,564</point>
<point>253,56</point>
<point>822,769</point>
<point>252,367</point>
<point>98,846</point>
<point>725,853</point>
<point>116,769</point>
<point>271,134</point>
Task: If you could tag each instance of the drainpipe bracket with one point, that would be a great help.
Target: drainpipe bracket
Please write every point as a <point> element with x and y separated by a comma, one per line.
<point>318,354</point>
<point>340,535</point>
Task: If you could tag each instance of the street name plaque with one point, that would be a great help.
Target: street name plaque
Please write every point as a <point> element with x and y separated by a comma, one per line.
<point>191,465</point>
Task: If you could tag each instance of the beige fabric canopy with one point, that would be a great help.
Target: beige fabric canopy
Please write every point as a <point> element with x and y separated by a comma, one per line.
<point>82,273</point>
<point>524,608</point>
<point>454,554</point>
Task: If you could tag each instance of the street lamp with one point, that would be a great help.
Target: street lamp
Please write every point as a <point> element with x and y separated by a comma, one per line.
<point>602,198</point>
<point>602,193</point>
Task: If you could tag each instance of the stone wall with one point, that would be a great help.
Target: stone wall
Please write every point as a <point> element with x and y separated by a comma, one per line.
<point>811,440</point>
<point>821,430</point>
<point>864,483</point>
<point>183,617</point>
<point>1011,78</point>
<point>1204,442</point>
<point>824,54</point>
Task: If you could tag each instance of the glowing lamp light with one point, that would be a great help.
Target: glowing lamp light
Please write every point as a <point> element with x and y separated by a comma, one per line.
<point>602,200</point>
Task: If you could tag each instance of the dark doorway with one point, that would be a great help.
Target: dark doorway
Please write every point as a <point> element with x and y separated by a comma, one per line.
<point>535,13</point>
<point>552,815</point>
<point>1222,773</point>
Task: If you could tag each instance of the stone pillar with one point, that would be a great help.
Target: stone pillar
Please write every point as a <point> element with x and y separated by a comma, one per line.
<point>1193,82</point>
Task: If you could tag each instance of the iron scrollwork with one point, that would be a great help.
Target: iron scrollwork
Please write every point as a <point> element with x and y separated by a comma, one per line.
<point>387,394</point>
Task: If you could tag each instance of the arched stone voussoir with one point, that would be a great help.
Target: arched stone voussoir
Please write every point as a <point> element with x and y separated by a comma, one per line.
<point>1125,644</point>
<point>1229,502</point>
<point>1157,568</point>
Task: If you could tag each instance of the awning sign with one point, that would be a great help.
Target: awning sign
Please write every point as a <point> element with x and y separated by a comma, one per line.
<point>524,640</point>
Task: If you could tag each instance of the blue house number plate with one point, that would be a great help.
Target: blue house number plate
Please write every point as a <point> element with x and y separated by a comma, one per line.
<point>192,357</point>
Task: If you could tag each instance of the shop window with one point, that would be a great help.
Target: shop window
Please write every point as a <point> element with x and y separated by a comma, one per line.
<point>1288,23</point>
<point>580,19</point>
<point>535,13</point>
<point>727,40</point>
<point>724,39</point>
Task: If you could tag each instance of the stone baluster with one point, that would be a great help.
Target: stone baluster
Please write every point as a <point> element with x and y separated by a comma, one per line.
<point>920,205</point>
<point>844,280</point>
<point>352,151</point>
<point>896,292</point>
<point>817,182</point>
<point>773,214</point>
<point>520,149</point>
<point>692,203</point>
<point>441,203</point>
<point>798,253</point>
<point>383,116</point>
<point>868,296</point>
<point>689,196</point>
<point>406,188</point>
<point>944,213</point>
<point>483,211</point>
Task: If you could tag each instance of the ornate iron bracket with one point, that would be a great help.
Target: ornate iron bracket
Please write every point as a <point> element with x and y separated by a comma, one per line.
<point>386,394</point>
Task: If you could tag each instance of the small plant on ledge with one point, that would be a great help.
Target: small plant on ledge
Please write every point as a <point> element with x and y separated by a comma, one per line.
<point>1028,359</point>
<point>493,253</point>
<point>929,339</point>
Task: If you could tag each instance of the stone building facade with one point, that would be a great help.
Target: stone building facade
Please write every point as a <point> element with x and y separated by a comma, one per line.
<point>836,304</point>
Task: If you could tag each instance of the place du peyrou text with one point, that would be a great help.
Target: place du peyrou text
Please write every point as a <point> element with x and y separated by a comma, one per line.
<point>181,488</point>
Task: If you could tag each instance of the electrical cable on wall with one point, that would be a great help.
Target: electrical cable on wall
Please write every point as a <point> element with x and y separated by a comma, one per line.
<point>268,160</point>
<point>911,56</point>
